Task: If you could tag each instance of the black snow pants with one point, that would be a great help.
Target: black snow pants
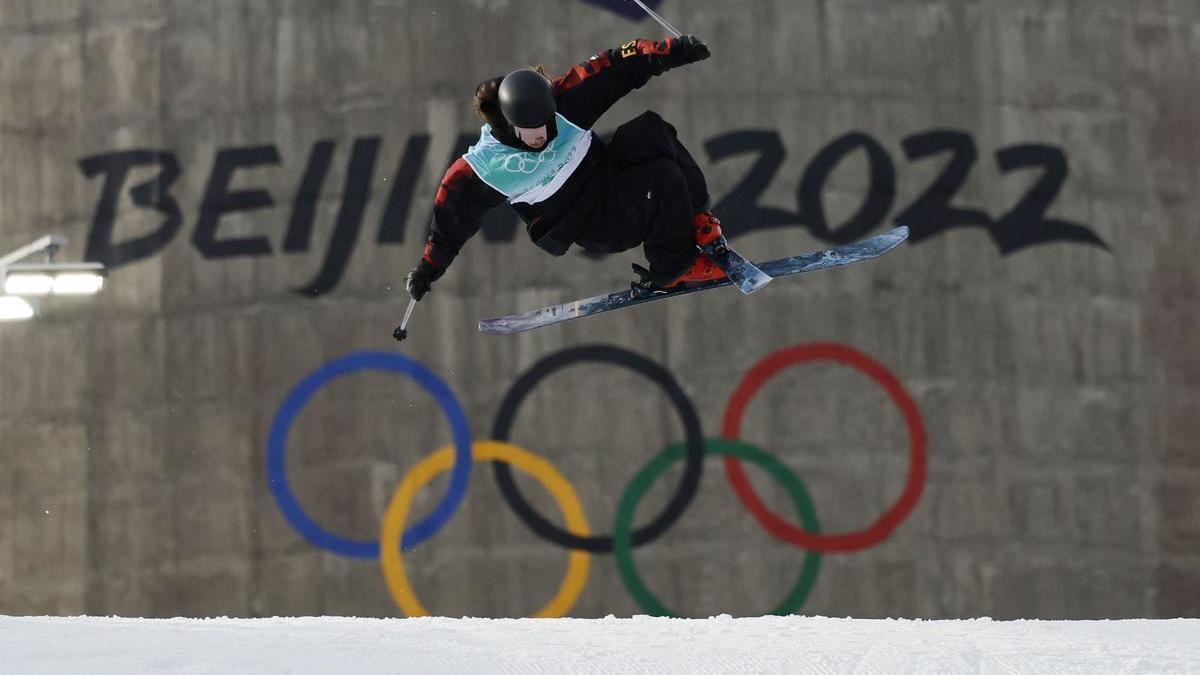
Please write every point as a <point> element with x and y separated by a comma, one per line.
<point>654,189</point>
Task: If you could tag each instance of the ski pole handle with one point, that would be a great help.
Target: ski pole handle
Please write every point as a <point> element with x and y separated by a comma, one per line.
<point>661,21</point>
<point>401,333</point>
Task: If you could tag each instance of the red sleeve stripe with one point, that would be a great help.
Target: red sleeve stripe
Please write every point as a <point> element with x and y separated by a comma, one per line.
<point>578,73</point>
<point>459,171</point>
<point>431,256</point>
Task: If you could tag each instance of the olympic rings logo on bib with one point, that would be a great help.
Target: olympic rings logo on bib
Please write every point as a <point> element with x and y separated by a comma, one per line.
<point>577,537</point>
<point>527,162</point>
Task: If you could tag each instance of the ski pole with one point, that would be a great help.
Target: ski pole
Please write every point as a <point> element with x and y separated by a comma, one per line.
<point>661,21</point>
<point>400,333</point>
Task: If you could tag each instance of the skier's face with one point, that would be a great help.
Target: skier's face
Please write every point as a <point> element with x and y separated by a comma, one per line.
<point>534,138</point>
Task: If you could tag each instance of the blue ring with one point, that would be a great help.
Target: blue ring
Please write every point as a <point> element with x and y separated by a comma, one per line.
<point>299,397</point>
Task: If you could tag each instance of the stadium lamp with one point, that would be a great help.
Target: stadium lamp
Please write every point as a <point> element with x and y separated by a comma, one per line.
<point>13,308</point>
<point>19,280</point>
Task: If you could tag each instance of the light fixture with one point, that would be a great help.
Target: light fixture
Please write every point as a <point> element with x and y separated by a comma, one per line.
<point>78,284</point>
<point>13,308</point>
<point>56,278</point>
<point>28,284</point>
<point>19,280</point>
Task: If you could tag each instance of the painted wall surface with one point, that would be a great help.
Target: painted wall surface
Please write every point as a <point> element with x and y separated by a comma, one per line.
<point>998,418</point>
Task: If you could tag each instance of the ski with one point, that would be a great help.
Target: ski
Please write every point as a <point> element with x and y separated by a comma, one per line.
<point>805,262</point>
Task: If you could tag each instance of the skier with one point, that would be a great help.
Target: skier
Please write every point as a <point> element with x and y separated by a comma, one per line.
<point>538,153</point>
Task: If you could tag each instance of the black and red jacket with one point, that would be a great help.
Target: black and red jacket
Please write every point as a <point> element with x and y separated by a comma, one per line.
<point>582,95</point>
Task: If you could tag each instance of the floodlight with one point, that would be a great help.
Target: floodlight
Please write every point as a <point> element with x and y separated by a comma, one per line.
<point>56,278</point>
<point>28,284</point>
<point>78,284</point>
<point>13,308</point>
<point>18,280</point>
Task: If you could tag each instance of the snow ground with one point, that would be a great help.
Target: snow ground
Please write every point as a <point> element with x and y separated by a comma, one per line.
<point>642,644</point>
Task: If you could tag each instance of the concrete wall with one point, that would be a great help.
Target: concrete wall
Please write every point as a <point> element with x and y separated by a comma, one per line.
<point>1049,349</point>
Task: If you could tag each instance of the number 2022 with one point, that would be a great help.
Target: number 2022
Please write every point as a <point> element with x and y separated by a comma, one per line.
<point>1024,224</point>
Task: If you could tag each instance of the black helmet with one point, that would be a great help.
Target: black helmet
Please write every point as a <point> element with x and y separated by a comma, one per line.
<point>526,99</point>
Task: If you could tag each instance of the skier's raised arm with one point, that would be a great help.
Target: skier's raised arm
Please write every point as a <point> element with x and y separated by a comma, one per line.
<point>462,200</point>
<point>592,87</point>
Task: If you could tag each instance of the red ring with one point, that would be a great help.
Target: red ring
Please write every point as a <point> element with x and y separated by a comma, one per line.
<point>768,367</point>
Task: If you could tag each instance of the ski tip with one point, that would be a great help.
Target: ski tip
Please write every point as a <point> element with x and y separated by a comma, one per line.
<point>894,237</point>
<point>509,325</point>
<point>494,327</point>
<point>901,232</point>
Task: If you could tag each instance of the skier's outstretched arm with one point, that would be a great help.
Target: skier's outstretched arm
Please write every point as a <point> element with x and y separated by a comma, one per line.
<point>462,200</point>
<point>591,88</point>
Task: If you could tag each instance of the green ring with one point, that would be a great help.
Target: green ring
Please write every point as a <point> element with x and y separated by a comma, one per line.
<point>623,550</point>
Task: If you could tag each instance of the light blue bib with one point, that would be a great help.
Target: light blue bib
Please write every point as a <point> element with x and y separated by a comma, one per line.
<point>529,177</point>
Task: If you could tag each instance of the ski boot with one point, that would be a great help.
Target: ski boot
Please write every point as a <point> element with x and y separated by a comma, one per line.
<point>710,243</point>
<point>708,233</point>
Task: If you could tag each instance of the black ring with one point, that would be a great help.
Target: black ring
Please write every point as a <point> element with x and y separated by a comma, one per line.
<point>694,460</point>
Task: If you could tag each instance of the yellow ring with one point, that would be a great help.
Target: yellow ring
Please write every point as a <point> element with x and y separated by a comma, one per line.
<point>440,462</point>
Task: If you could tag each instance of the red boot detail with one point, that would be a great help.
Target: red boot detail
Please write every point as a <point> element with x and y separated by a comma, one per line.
<point>707,231</point>
<point>708,228</point>
<point>702,269</point>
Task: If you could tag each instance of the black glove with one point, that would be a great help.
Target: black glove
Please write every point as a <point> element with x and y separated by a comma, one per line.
<point>688,49</point>
<point>421,279</point>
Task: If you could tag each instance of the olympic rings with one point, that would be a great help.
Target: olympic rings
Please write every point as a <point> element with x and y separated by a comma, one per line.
<point>483,451</point>
<point>524,159</point>
<point>299,397</point>
<point>623,552</point>
<point>463,452</point>
<point>914,484</point>
<point>641,365</point>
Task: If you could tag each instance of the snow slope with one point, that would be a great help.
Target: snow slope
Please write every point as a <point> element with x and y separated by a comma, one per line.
<point>641,644</point>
